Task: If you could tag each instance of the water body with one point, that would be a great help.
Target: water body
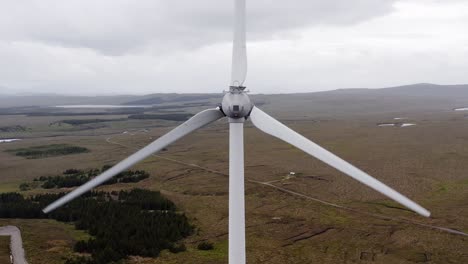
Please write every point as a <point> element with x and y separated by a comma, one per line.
<point>396,125</point>
<point>103,106</point>
<point>8,140</point>
<point>461,109</point>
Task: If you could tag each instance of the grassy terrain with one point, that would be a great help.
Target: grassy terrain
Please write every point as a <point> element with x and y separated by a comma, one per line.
<point>4,249</point>
<point>426,162</point>
<point>77,122</point>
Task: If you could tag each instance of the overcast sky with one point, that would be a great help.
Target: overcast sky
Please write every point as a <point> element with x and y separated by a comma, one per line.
<point>152,46</point>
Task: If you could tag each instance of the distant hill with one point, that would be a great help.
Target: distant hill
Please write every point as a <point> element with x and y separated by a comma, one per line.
<point>428,98</point>
<point>413,90</point>
<point>427,89</point>
<point>173,98</point>
<point>51,100</point>
<point>327,104</point>
<point>151,99</point>
<point>418,90</point>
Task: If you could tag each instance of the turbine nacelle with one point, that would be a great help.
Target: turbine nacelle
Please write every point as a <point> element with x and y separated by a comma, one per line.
<point>236,103</point>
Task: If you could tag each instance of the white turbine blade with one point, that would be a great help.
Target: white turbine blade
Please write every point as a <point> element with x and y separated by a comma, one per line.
<point>199,120</point>
<point>271,126</point>
<point>239,51</point>
<point>236,194</point>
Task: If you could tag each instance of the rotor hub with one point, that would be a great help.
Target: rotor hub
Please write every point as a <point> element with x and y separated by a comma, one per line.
<point>236,103</point>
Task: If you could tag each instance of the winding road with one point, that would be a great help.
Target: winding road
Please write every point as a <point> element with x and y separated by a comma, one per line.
<point>270,184</point>
<point>16,243</point>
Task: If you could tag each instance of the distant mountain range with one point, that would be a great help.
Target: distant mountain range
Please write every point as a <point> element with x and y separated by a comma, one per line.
<point>420,89</point>
<point>173,98</point>
<point>455,93</point>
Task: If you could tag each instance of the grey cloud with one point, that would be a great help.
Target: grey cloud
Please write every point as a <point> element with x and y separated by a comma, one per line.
<point>116,27</point>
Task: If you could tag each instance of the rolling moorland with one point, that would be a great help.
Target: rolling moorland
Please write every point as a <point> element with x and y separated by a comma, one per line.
<point>316,215</point>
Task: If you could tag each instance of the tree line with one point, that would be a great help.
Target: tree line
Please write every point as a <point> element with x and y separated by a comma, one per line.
<point>74,177</point>
<point>45,151</point>
<point>137,222</point>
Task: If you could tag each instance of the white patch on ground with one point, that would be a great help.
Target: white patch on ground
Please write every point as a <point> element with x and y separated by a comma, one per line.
<point>8,140</point>
<point>461,109</point>
<point>386,125</point>
<point>407,124</point>
<point>400,118</point>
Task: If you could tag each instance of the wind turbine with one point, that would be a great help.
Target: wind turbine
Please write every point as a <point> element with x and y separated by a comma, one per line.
<point>237,106</point>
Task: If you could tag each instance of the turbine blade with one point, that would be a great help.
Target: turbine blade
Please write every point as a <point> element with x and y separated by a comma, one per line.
<point>273,127</point>
<point>199,120</point>
<point>239,50</point>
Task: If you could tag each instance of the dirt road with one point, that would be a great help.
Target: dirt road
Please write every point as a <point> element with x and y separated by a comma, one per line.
<point>16,243</point>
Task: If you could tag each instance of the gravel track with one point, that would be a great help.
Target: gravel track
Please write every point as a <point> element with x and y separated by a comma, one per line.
<point>16,243</point>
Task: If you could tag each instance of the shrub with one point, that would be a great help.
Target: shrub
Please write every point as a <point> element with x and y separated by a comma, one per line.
<point>178,248</point>
<point>205,245</point>
<point>47,151</point>
<point>24,187</point>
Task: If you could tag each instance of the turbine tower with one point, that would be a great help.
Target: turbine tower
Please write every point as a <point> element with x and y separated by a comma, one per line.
<point>237,107</point>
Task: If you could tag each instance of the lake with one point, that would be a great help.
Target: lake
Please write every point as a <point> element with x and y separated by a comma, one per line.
<point>103,106</point>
